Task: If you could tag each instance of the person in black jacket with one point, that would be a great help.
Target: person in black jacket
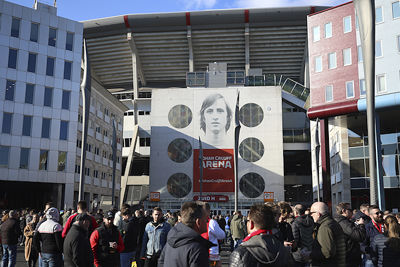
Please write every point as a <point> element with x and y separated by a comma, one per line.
<point>185,247</point>
<point>77,250</point>
<point>10,231</point>
<point>130,230</point>
<point>354,233</point>
<point>261,247</point>
<point>302,228</point>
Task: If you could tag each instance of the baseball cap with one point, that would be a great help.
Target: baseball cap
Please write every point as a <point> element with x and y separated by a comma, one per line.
<point>110,214</point>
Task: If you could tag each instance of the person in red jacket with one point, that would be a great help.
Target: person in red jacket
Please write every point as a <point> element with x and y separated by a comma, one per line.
<point>107,243</point>
<point>82,208</point>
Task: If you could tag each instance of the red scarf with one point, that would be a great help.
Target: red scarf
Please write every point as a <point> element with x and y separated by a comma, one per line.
<point>258,232</point>
<point>378,227</point>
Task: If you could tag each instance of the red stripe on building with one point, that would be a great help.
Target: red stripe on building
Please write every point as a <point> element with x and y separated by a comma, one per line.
<point>246,16</point>
<point>187,18</point>
<point>126,22</point>
<point>334,109</point>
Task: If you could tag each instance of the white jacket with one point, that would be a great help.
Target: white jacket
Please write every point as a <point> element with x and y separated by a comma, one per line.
<point>215,233</point>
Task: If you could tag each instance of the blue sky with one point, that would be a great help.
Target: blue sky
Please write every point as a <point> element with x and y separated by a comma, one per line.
<point>91,9</point>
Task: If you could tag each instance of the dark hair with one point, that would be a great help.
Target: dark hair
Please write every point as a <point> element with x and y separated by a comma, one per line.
<point>157,209</point>
<point>372,207</point>
<point>82,205</point>
<point>190,212</point>
<point>341,206</point>
<point>285,208</point>
<point>300,209</point>
<point>209,101</point>
<point>262,216</point>
<point>392,229</point>
<point>126,211</point>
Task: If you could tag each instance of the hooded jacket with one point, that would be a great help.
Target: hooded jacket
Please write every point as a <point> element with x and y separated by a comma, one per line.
<point>237,227</point>
<point>260,251</point>
<point>302,228</point>
<point>77,250</point>
<point>185,248</point>
<point>47,239</point>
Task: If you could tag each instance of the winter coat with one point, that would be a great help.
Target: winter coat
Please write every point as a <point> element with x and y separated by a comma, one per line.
<point>77,250</point>
<point>130,234</point>
<point>302,229</point>
<point>10,231</point>
<point>329,247</point>
<point>286,230</point>
<point>371,232</point>
<point>260,251</point>
<point>377,247</point>
<point>71,219</point>
<point>184,248</point>
<point>30,251</point>
<point>237,227</point>
<point>47,239</point>
<point>154,238</point>
<point>353,236</point>
<point>385,251</point>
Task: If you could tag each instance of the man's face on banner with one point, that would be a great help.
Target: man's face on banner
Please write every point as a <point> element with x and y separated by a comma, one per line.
<point>215,116</point>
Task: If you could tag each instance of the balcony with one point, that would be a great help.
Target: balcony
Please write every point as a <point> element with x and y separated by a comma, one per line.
<point>97,158</point>
<point>99,136</point>
<point>105,162</point>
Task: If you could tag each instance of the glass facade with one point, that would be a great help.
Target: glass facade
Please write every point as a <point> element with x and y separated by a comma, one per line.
<point>32,62</point>
<point>24,158</point>
<point>70,41</point>
<point>48,96</point>
<point>15,25</point>
<point>29,93</point>
<point>34,32</point>
<point>66,95</point>
<point>6,126</point>
<point>27,126</point>
<point>46,128</point>
<point>52,36</point>
<point>10,89</point>
<point>50,66</point>
<point>12,58</point>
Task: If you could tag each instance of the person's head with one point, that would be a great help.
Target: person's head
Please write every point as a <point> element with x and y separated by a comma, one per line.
<point>215,114</point>
<point>13,214</point>
<point>157,214</point>
<point>194,215</point>
<point>375,214</point>
<point>318,209</point>
<point>392,227</point>
<point>35,218</point>
<point>275,209</point>
<point>82,206</point>
<point>344,209</point>
<point>285,209</point>
<point>364,208</point>
<point>207,207</point>
<point>260,217</point>
<point>146,213</point>
<point>53,214</point>
<point>299,210</point>
<point>83,220</point>
<point>109,218</point>
<point>48,206</point>
<point>126,213</point>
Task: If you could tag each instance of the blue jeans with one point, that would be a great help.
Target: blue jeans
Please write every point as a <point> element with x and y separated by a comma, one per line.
<point>52,260</point>
<point>127,258</point>
<point>9,255</point>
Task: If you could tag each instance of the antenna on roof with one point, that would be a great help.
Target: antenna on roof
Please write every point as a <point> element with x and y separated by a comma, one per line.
<point>55,3</point>
<point>35,5</point>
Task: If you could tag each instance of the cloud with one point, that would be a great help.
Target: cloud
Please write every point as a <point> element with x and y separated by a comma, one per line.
<point>199,4</point>
<point>283,3</point>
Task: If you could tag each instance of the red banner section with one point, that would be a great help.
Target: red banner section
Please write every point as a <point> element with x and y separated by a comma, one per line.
<point>212,198</point>
<point>218,170</point>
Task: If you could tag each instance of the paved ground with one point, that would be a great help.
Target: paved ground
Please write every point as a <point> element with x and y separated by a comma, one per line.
<point>22,263</point>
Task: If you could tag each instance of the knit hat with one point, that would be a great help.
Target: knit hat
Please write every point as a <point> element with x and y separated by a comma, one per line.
<point>53,214</point>
<point>359,215</point>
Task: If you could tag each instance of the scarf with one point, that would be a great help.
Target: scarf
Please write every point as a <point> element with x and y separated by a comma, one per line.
<point>258,232</point>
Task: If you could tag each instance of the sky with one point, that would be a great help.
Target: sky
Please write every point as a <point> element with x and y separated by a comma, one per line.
<point>80,10</point>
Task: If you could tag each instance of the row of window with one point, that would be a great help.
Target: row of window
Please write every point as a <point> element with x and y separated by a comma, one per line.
<point>32,63</point>
<point>25,155</point>
<point>380,87</point>
<point>87,172</point>
<point>29,95</point>
<point>140,112</point>
<point>96,150</point>
<point>34,34</point>
<point>27,126</point>
<point>143,141</point>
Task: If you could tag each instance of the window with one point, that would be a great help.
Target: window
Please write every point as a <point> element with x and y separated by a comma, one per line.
<point>144,141</point>
<point>316,34</point>
<point>318,64</point>
<point>32,62</point>
<point>29,92</point>
<point>62,158</point>
<point>48,96</point>
<point>50,66</point>
<point>350,89</point>
<point>78,143</point>
<point>332,60</point>
<point>328,30</point>
<point>70,41</point>
<point>7,122</point>
<point>363,89</point>
<point>46,123</point>
<point>347,56</point>
<point>347,24</point>
<point>67,70</point>
<point>52,36</point>
<point>34,32</point>
<point>24,158</point>
<point>360,54</point>
<point>378,15</point>
<point>380,83</point>
<point>4,154</point>
<point>27,126</point>
<point>378,49</point>
<point>96,150</point>
<point>12,58</point>
<point>10,89</point>
<point>43,159</point>
<point>64,130</point>
<point>65,99</point>
<point>105,133</point>
<point>15,25</point>
<point>396,10</point>
<point>329,93</point>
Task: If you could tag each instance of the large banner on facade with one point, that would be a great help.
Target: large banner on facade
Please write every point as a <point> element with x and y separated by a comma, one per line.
<point>218,170</point>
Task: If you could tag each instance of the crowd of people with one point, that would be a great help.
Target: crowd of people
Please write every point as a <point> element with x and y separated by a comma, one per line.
<point>271,234</point>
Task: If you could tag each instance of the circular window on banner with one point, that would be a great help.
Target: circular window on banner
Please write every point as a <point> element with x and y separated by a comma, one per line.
<point>179,185</point>
<point>179,150</point>
<point>251,115</point>
<point>251,149</point>
<point>180,116</point>
<point>251,185</point>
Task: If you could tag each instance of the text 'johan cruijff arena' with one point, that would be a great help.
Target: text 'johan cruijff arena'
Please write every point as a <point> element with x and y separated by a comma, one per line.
<point>182,75</point>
